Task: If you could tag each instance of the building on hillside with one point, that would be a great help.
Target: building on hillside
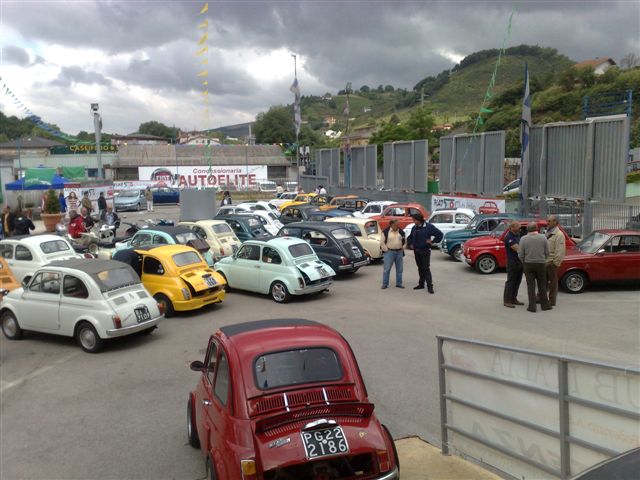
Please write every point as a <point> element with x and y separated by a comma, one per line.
<point>600,65</point>
<point>445,127</point>
<point>329,120</point>
<point>137,139</point>
<point>198,140</point>
<point>333,134</point>
<point>359,137</point>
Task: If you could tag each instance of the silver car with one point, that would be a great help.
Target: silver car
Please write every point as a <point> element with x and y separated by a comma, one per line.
<point>129,200</point>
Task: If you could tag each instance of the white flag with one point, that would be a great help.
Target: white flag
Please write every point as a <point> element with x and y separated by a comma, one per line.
<point>297,116</point>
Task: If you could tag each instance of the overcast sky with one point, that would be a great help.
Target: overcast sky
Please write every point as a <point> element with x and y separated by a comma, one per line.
<point>138,60</point>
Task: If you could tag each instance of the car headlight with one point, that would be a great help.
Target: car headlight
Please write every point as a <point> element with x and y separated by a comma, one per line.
<point>185,293</point>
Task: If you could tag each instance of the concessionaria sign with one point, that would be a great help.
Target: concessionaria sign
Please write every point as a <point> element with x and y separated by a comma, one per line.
<point>204,176</point>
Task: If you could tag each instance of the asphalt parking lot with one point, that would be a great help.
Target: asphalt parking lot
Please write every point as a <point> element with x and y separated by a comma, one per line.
<point>120,414</point>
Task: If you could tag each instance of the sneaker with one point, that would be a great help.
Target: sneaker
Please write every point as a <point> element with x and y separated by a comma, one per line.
<point>509,305</point>
<point>547,308</point>
<point>419,287</point>
<point>399,286</point>
<point>532,310</point>
<point>383,287</point>
<point>430,289</point>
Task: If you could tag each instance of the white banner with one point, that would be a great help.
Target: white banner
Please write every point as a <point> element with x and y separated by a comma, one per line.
<point>477,204</point>
<point>73,195</point>
<point>136,184</point>
<point>202,176</point>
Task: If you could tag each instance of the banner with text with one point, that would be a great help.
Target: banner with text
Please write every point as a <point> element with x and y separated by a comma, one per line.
<point>232,176</point>
<point>477,204</point>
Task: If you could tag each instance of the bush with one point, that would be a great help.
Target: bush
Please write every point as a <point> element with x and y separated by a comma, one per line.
<point>52,203</point>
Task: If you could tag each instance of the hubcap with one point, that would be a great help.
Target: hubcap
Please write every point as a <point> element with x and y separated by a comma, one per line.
<point>10,326</point>
<point>87,338</point>
<point>458,255</point>
<point>486,265</point>
<point>575,283</point>
<point>278,292</point>
<point>189,419</point>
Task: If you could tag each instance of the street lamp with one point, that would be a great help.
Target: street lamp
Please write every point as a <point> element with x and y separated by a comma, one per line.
<point>97,125</point>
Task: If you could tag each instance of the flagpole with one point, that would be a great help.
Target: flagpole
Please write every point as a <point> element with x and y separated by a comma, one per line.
<point>295,77</point>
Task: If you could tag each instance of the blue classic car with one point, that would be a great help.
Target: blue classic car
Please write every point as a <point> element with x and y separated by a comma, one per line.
<point>154,236</point>
<point>165,195</point>
<point>280,267</point>
<point>479,226</point>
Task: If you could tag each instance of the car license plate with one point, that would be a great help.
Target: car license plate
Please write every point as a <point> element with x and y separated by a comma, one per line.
<point>142,314</point>
<point>320,443</point>
<point>356,252</point>
<point>323,272</point>
<point>211,282</point>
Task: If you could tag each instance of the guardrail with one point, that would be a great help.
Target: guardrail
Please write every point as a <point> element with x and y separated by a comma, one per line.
<point>533,414</point>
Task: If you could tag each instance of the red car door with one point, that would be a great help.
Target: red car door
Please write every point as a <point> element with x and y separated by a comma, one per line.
<point>222,432</point>
<point>204,394</point>
<point>621,257</point>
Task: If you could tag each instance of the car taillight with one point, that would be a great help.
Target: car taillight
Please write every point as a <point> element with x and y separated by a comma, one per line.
<point>116,321</point>
<point>221,252</point>
<point>248,469</point>
<point>161,308</point>
<point>383,461</point>
<point>185,293</point>
<point>300,282</point>
<point>344,260</point>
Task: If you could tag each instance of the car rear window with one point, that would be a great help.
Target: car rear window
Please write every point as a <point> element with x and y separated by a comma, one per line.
<point>54,246</point>
<point>116,278</point>
<point>296,367</point>
<point>186,258</point>
<point>185,237</point>
<point>300,250</point>
<point>341,234</point>
<point>222,228</point>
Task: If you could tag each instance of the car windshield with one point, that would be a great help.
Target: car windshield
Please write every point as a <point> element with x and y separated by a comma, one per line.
<point>186,258</point>
<point>128,193</point>
<point>473,223</point>
<point>253,222</point>
<point>54,246</point>
<point>341,233</point>
<point>185,237</point>
<point>221,228</point>
<point>593,242</point>
<point>499,230</point>
<point>296,367</point>
<point>300,250</point>
<point>116,278</point>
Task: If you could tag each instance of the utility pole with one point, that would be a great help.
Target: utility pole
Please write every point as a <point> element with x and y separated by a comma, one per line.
<point>97,125</point>
<point>422,96</point>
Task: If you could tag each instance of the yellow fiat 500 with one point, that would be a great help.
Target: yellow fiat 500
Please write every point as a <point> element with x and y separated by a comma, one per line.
<point>176,275</point>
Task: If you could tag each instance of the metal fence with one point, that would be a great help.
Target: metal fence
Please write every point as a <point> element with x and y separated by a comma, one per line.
<point>472,163</point>
<point>310,182</point>
<point>364,166</point>
<point>406,165</point>
<point>328,165</point>
<point>612,215</point>
<point>534,414</point>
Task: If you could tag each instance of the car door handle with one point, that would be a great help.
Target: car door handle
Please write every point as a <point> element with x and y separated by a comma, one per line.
<point>206,402</point>
<point>257,266</point>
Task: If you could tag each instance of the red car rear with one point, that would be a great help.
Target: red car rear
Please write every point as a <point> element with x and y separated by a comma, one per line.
<point>284,399</point>
<point>489,207</point>
<point>487,254</point>
<point>401,212</point>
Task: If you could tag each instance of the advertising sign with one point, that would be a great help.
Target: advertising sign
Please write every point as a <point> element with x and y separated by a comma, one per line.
<point>73,195</point>
<point>232,176</point>
<point>477,204</point>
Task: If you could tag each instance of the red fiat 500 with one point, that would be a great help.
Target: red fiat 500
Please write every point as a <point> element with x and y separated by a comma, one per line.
<point>487,254</point>
<point>284,399</point>
<point>401,212</point>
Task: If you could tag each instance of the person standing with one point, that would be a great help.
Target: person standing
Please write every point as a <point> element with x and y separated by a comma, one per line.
<point>423,235</point>
<point>323,191</point>
<point>392,244</point>
<point>63,203</point>
<point>226,198</point>
<point>514,266</point>
<point>102,205</point>
<point>533,252</point>
<point>86,219</point>
<point>23,224</point>
<point>557,250</point>
<point>148,196</point>
<point>8,222</point>
<point>86,202</point>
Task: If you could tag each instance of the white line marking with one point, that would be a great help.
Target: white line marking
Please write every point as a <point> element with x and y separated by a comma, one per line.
<point>35,373</point>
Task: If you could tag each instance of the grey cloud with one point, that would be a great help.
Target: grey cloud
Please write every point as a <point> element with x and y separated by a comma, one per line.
<point>15,55</point>
<point>74,74</point>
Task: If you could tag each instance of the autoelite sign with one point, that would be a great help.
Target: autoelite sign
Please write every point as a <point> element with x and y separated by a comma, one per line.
<point>205,176</point>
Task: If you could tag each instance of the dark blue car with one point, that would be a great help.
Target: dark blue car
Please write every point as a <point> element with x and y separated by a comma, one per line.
<point>165,195</point>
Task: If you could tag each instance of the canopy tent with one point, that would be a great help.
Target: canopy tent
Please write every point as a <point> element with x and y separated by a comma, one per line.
<point>57,183</point>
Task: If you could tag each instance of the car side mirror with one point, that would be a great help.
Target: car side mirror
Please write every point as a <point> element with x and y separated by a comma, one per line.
<point>197,366</point>
<point>601,252</point>
<point>25,281</point>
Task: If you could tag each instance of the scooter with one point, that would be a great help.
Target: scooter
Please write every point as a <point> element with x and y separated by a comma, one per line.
<point>89,244</point>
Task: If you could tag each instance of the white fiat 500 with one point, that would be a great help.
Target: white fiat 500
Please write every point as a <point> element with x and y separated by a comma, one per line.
<point>89,299</point>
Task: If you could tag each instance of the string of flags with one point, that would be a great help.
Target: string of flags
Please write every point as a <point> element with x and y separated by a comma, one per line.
<point>32,117</point>
<point>203,75</point>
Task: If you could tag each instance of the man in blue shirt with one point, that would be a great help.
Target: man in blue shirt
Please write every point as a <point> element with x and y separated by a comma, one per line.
<point>514,266</point>
<point>423,235</point>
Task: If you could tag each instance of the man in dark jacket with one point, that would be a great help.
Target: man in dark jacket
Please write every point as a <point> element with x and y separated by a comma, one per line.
<point>423,235</point>
<point>102,205</point>
<point>23,224</point>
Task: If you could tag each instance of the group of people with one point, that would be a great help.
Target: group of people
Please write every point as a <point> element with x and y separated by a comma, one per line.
<point>320,190</point>
<point>18,223</point>
<point>393,244</point>
<point>538,257</point>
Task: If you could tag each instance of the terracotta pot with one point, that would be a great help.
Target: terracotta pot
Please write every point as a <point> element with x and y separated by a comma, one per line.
<point>50,220</point>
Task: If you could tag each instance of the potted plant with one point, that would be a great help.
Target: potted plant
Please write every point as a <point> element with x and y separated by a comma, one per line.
<point>51,213</point>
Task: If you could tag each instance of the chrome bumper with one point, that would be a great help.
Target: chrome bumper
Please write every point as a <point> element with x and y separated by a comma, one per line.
<point>393,475</point>
<point>313,288</point>
<point>119,332</point>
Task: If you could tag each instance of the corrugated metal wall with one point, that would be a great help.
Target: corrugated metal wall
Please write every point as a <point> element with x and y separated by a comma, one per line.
<point>611,144</point>
<point>446,162</point>
<point>565,155</point>
<point>364,166</point>
<point>493,179</point>
<point>310,182</point>
<point>405,165</point>
<point>328,165</point>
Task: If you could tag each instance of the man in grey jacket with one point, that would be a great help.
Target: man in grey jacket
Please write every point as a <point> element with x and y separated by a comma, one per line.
<point>533,251</point>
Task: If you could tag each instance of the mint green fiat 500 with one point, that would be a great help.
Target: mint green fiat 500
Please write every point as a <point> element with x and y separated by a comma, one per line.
<point>280,267</point>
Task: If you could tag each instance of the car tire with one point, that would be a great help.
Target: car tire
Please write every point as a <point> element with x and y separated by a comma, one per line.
<point>574,282</point>
<point>88,338</point>
<point>10,326</point>
<point>192,431</point>
<point>211,474</point>
<point>168,306</point>
<point>279,292</point>
<point>458,254</point>
<point>138,207</point>
<point>486,264</point>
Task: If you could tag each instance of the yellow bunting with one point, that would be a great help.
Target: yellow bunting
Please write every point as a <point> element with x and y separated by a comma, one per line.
<point>204,24</point>
<point>205,82</point>
<point>205,9</point>
<point>203,38</point>
<point>205,62</point>
<point>204,49</point>
<point>206,92</point>
<point>204,73</point>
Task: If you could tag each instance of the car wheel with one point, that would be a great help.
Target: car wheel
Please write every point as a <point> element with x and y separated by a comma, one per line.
<point>211,474</point>
<point>93,249</point>
<point>192,431</point>
<point>574,282</point>
<point>486,264</point>
<point>10,326</point>
<point>279,292</point>
<point>88,338</point>
<point>226,287</point>
<point>458,254</point>
<point>166,303</point>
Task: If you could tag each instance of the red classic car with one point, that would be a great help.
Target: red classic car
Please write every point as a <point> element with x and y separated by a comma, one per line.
<point>489,208</point>
<point>284,399</point>
<point>401,212</point>
<point>603,256</point>
<point>487,254</point>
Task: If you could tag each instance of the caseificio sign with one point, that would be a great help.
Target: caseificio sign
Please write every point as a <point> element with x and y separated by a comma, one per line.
<point>205,176</point>
<point>487,204</point>
<point>82,148</point>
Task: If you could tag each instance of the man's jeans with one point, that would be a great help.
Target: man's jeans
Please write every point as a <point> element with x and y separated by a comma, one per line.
<point>391,257</point>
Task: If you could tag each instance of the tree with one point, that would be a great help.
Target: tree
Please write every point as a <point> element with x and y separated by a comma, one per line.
<point>84,136</point>
<point>275,126</point>
<point>365,89</point>
<point>388,88</point>
<point>420,124</point>
<point>630,60</point>
<point>158,129</point>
